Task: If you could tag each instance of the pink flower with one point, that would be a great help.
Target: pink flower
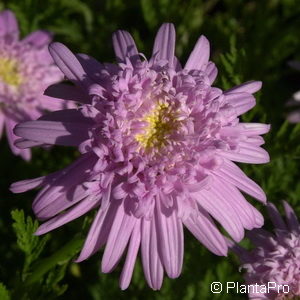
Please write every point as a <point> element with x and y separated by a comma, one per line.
<point>26,69</point>
<point>158,145</point>
<point>294,115</point>
<point>276,257</point>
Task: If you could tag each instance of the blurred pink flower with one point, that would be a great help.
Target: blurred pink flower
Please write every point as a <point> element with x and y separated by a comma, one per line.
<point>276,257</point>
<point>26,69</point>
<point>294,115</point>
<point>158,145</point>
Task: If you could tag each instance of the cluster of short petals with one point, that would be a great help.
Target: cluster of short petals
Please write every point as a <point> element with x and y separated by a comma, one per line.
<point>26,69</point>
<point>275,258</point>
<point>158,145</point>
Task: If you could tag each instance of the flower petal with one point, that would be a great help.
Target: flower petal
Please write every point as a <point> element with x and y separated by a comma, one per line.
<point>68,216</point>
<point>218,207</point>
<point>291,217</point>
<point>261,237</point>
<point>26,185</point>
<point>199,57</point>
<point>99,230</point>
<point>211,71</point>
<point>124,45</point>
<point>2,122</point>
<point>164,44</point>
<point>51,132</point>
<point>132,252</point>
<point>67,92</point>
<point>118,239</point>
<point>244,210</point>
<point>39,38</point>
<point>242,102</point>
<point>275,217</point>
<point>54,104</point>
<point>152,265</point>
<point>9,25</point>
<point>60,192</point>
<point>170,237</point>
<point>69,64</point>
<point>247,87</point>
<point>11,137</point>
<point>294,116</point>
<point>231,173</point>
<point>247,153</point>
<point>203,228</point>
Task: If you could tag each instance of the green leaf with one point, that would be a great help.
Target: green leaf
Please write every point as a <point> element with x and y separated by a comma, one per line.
<point>30,244</point>
<point>61,256</point>
<point>4,293</point>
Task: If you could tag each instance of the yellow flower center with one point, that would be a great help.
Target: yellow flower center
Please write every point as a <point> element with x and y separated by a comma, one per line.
<point>161,120</point>
<point>9,71</point>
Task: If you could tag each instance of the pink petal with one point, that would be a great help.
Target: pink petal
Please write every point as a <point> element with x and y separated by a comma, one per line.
<point>294,117</point>
<point>247,153</point>
<point>95,69</point>
<point>170,236</point>
<point>9,25</point>
<point>176,64</point>
<point>99,230</point>
<point>61,201</point>
<point>251,129</point>
<point>242,102</point>
<point>69,64</point>
<point>218,207</point>
<point>124,45</point>
<point>61,190</point>
<point>67,92</point>
<point>118,239</point>
<point>23,143</point>
<point>29,184</point>
<point>39,38</point>
<point>291,217</point>
<point>260,237</point>
<point>203,228</point>
<point>2,122</point>
<point>53,104</point>
<point>152,265</point>
<point>68,216</point>
<point>26,185</point>
<point>211,72</point>
<point>11,137</point>
<point>276,217</point>
<point>231,173</point>
<point>247,87</point>
<point>52,132</point>
<point>164,44</point>
<point>244,210</point>
<point>200,55</point>
<point>67,115</point>
<point>132,252</point>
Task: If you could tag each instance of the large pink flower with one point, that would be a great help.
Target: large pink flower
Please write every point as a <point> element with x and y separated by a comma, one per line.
<point>26,69</point>
<point>158,145</point>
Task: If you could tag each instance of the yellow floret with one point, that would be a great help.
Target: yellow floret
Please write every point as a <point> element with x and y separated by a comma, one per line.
<point>9,72</point>
<point>160,122</point>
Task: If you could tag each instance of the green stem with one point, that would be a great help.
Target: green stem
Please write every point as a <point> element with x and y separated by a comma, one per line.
<point>43,266</point>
